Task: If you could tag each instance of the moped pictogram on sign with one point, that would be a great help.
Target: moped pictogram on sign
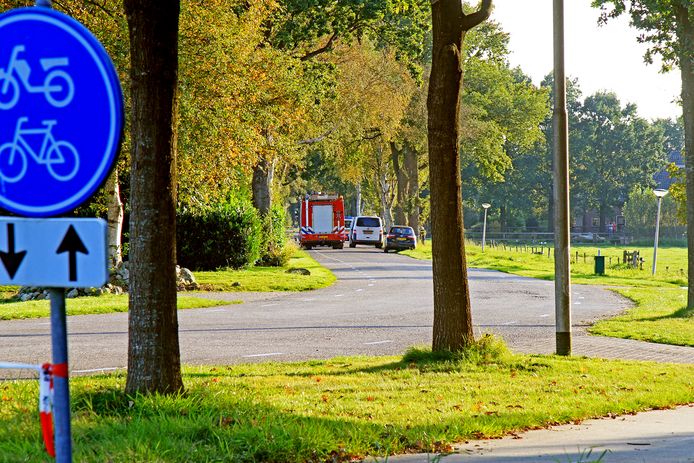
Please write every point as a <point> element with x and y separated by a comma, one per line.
<point>57,87</point>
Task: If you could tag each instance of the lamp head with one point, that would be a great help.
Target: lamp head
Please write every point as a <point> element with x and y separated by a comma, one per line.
<point>660,192</point>
<point>486,205</point>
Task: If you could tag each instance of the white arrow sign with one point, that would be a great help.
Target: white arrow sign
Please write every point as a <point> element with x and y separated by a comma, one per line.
<point>59,253</point>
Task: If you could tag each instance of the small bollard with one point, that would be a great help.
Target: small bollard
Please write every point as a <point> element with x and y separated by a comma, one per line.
<point>599,264</point>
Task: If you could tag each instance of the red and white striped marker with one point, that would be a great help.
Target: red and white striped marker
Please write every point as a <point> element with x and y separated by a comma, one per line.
<point>46,373</point>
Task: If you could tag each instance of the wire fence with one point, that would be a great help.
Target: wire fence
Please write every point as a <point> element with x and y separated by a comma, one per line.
<point>628,258</point>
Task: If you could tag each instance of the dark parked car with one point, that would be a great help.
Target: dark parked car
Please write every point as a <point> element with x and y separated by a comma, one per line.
<point>400,237</point>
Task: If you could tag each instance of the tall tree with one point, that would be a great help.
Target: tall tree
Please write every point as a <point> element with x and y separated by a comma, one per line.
<point>154,363</point>
<point>409,145</point>
<point>401,183</point>
<point>308,30</point>
<point>374,88</point>
<point>452,312</point>
<point>668,29</point>
<point>613,150</point>
<point>502,113</point>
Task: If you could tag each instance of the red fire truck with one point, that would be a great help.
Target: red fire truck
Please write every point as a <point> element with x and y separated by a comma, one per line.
<point>322,221</point>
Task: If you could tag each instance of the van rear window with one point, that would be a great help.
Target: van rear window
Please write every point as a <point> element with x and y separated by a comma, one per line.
<point>368,222</point>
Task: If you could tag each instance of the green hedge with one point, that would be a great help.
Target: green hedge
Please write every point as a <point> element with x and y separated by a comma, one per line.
<point>273,249</point>
<point>220,235</point>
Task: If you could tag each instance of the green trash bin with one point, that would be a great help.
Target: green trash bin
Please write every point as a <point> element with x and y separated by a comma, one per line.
<point>599,265</point>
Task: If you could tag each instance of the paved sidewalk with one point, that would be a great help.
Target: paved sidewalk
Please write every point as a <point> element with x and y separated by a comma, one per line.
<point>585,344</point>
<point>661,436</point>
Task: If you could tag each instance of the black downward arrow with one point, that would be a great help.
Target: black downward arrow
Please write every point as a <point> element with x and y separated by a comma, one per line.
<point>72,244</point>
<point>11,259</point>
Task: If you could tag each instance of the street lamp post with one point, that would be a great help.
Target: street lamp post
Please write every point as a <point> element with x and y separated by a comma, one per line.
<point>484,226</point>
<point>562,241</point>
<point>659,193</point>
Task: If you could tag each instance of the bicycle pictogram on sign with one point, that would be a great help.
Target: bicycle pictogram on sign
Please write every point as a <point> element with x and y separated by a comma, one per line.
<point>58,87</point>
<point>60,157</point>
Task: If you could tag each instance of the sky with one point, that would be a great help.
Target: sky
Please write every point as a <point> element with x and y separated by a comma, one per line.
<point>601,57</point>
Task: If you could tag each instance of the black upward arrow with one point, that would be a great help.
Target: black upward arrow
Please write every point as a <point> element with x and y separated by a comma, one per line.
<point>72,244</point>
<point>11,259</point>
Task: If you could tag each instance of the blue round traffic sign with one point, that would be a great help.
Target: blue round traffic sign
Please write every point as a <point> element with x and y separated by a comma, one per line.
<point>61,112</point>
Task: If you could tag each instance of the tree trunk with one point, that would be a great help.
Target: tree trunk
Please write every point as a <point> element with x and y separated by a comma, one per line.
<point>385,194</point>
<point>604,208</point>
<point>412,170</point>
<point>385,206</point>
<point>503,218</point>
<point>153,352</point>
<point>115,220</point>
<point>587,222</point>
<point>452,312</point>
<point>686,43</point>
<point>402,184</point>
<point>358,205</point>
<point>263,173</point>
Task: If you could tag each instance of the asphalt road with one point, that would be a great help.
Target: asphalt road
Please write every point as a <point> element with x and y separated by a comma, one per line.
<point>381,304</point>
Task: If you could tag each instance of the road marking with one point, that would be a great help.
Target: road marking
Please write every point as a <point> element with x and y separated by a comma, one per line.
<point>360,289</point>
<point>581,297</point>
<point>577,303</point>
<point>544,315</point>
<point>94,370</point>
<point>309,299</point>
<point>370,284</point>
<point>377,342</point>
<point>269,305</point>
<point>510,323</point>
<point>263,355</point>
<point>339,295</point>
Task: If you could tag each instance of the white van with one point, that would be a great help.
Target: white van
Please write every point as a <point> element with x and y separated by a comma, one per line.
<point>366,230</point>
<point>348,227</point>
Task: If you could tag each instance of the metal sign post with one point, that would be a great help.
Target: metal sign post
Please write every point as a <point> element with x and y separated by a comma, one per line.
<point>57,253</point>
<point>61,382</point>
<point>61,121</point>
<point>562,239</point>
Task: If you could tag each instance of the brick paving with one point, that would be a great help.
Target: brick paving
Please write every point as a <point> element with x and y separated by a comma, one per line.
<point>585,344</point>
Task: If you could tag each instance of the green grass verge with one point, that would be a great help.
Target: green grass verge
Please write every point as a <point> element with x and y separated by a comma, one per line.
<point>269,278</point>
<point>253,279</point>
<point>660,313</point>
<point>337,410</point>
<point>659,316</point>
<point>107,303</point>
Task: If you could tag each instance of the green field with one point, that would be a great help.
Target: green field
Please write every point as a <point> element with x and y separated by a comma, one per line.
<point>671,268</point>
<point>659,314</point>
<point>338,410</point>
